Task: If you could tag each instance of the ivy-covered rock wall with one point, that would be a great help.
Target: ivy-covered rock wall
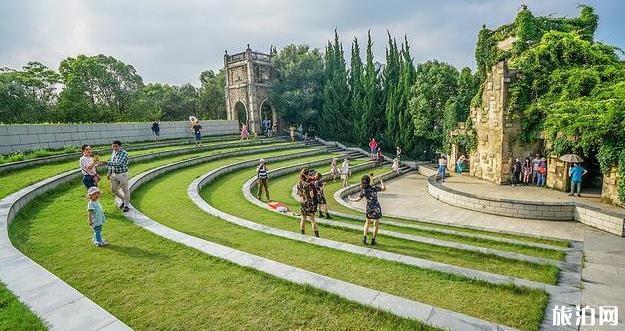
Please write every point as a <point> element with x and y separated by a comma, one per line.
<point>569,90</point>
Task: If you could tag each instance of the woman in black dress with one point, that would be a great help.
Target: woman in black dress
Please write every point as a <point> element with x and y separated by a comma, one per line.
<point>373,209</point>
<point>308,201</point>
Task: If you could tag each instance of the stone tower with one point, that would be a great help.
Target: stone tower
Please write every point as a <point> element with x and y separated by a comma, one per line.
<point>248,78</point>
<point>498,129</point>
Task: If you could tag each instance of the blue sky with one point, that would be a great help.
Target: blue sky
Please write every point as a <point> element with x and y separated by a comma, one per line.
<point>173,41</point>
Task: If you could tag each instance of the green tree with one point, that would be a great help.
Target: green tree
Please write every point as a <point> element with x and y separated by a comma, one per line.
<point>372,111</point>
<point>356,89</point>
<point>458,106</point>
<point>97,88</point>
<point>405,137</point>
<point>297,92</point>
<point>28,95</point>
<point>390,79</point>
<point>435,83</point>
<point>336,95</point>
<point>211,94</point>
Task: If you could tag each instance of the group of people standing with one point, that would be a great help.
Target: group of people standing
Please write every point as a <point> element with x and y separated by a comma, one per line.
<point>530,172</point>
<point>377,156</point>
<point>310,191</point>
<point>117,174</point>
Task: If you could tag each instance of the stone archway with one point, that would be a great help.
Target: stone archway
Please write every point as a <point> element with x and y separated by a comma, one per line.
<point>240,112</point>
<point>268,112</point>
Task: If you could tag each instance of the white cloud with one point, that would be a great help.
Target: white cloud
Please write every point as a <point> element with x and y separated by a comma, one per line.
<point>173,41</point>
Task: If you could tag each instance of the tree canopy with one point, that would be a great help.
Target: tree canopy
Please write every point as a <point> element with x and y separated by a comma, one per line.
<point>102,88</point>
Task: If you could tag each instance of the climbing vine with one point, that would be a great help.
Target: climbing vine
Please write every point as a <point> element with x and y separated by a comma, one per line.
<point>569,90</point>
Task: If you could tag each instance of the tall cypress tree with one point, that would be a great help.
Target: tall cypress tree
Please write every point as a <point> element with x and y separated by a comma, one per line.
<point>405,138</point>
<point>371,102</point>
<point>336,105</point>
<point>389,101</point>
<point>356,89</point>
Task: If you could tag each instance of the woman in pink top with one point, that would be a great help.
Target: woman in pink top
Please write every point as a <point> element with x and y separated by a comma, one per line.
<point>373,145</point>
<point>244,132</point>
<point>88,167</point>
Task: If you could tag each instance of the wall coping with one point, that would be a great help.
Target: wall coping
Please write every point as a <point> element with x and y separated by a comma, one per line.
<point>573,212</point>
<point>11,166</point>
<point>57,303</point>
<point>368,297</point>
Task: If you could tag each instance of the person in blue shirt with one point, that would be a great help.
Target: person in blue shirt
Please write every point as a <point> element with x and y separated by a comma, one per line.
<point>576,172</point>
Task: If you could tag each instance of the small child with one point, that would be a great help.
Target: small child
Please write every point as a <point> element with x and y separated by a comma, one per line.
<point>96,216</point>
<point>396,165</point>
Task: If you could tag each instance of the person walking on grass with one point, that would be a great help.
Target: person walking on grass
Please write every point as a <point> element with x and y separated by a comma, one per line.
<point>118,174</point>
<point>261,173</point>
<point>345,173</point>
<point>576,172</point>
<point>88,164</point>
<point>373,146</point>
<point>95,216</point>
<point>334,170</point>
<point>308,201</point>
<point>321,198</point>
<point>516,171</point>
<point>197,131</point>
<point>156,130</point>
<point>527,171</point>
<point>373,208</point>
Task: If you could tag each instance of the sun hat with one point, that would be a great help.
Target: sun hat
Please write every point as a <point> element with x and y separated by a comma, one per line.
<point>92,190</point>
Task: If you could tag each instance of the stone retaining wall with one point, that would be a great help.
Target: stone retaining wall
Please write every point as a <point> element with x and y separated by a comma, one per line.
<point>606,220</point>
<point>25,137</point>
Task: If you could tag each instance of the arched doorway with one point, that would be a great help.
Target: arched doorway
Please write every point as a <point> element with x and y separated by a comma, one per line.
<point>267,116</point>
<point>241,112</point>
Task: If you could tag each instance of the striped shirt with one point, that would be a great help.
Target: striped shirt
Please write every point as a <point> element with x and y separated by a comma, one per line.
<point>118,163</point>
<point>262,172</point>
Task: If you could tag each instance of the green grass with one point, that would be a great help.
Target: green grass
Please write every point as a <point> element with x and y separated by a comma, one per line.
<point>14,315</point>
<point>165,197</point>
<point>333,205</point>
<point>152,283</point>
<point>282,186</point>
<point>235,203</point>
<point>15,180</point>
<point>43,152</point>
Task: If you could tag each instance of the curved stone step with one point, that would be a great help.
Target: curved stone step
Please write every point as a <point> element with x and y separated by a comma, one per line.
<point>379,300</point>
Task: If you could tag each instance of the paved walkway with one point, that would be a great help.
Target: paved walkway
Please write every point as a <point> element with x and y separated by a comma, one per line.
<point>603,275</point>
<point>485,188</point>
<point>411,190</point>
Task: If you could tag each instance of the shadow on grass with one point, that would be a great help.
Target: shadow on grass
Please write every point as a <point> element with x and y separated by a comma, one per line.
<point>136,252</point>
